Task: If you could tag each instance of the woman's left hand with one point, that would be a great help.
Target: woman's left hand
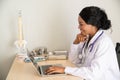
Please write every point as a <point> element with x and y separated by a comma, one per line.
<point>55,69</point>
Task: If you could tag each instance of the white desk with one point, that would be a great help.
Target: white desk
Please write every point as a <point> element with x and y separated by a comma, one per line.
<point>26,71</point>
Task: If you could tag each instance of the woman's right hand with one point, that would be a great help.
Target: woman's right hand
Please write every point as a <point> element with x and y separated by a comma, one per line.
<point>80,38</point>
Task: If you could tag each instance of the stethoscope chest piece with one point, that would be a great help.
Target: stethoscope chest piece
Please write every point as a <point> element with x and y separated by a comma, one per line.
<point>80,56</point>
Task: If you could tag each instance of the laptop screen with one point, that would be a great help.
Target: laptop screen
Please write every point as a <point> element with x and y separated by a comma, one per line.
<point>31,57</point>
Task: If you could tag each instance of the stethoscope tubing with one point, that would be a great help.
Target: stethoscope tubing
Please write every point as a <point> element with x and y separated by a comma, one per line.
<point>91,45</point>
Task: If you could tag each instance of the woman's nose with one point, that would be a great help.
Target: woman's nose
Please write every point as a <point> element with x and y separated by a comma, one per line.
<point>79,27</point>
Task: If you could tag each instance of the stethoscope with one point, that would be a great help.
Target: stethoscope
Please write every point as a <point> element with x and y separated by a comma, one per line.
<point>82,55</point>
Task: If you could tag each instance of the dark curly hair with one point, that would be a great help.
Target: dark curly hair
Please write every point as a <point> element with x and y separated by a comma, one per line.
<point>96,17</point>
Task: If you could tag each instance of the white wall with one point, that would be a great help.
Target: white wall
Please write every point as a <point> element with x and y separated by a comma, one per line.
<point>50,23</point>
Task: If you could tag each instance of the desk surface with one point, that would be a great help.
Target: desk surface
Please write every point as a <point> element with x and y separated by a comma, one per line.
<point>26,71</point>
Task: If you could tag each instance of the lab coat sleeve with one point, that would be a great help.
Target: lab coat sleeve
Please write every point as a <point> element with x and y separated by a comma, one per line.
<point>98,65</point>
<point>74,51</point>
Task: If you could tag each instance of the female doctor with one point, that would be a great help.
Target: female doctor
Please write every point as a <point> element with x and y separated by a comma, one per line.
<point>92,51</point>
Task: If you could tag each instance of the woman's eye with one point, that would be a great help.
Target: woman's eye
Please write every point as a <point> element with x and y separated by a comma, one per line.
<point>81,24</point>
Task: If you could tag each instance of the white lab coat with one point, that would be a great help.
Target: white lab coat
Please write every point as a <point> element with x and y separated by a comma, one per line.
<point>98,64</point>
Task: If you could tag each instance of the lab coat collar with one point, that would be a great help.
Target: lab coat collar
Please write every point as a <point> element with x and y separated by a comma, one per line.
<point>94,38</point>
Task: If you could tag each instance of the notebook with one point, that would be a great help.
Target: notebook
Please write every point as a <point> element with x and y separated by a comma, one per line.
<point>41,69</point>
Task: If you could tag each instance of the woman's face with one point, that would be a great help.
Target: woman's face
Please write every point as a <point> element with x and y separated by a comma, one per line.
<point>85,29</point>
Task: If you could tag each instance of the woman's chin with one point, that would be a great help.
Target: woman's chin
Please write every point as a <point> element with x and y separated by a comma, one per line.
<point>83,33</point>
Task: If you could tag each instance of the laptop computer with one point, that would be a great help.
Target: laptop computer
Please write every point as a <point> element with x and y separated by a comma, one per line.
<point>41,69</point>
